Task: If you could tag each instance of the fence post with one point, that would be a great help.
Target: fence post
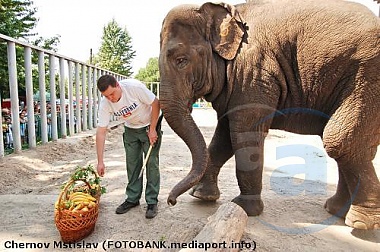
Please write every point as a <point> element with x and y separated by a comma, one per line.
<point>71,100</point>
<point>12,69</point>
<point>29,97</point>
<point>77,95</point>
<point>84,100</point>
<point>62,93</point>
<point>42,89</point>
<point>53,99</point>
<point>89,95</point>
<point>95,96</point>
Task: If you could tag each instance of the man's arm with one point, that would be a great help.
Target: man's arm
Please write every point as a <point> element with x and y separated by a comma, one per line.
<point>153,121</point>
<point>100,142</point>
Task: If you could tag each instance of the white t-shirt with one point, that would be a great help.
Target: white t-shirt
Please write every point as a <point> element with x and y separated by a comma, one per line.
<point>134,106</point>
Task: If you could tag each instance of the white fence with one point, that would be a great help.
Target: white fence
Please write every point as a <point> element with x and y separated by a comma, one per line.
<point>74,111</point>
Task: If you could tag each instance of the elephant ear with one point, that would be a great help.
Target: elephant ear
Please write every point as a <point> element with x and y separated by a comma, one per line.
<point>225,28</point>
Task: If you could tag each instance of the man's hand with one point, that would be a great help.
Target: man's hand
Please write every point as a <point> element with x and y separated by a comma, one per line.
<point>101,169</point>
<point>152,134</point>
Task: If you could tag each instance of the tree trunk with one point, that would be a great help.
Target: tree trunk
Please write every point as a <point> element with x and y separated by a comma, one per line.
<point>224,228</point>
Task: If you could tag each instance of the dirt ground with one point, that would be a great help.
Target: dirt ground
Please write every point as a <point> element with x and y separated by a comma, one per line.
<point>293,220</point>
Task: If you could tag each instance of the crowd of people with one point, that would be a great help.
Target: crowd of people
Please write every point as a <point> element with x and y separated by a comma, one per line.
<point>7,127</point>
<point>23,118</point>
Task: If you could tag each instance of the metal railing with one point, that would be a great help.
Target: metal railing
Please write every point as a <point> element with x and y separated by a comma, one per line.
<point>75,110</point>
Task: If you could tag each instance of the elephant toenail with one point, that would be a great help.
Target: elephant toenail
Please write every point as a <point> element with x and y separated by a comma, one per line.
<point>360,225</point>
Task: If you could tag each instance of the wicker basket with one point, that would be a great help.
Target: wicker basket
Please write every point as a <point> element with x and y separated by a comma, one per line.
<point>74,226</point>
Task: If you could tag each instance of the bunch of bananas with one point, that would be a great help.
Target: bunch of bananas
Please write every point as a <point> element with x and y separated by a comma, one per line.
<point>78,201</point>
<point>81,201</point>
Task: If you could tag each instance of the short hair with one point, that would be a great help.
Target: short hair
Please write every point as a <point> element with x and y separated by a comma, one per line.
<point>105,81</point>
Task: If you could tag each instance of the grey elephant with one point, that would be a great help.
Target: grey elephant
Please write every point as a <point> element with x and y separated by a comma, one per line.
<point>255,60</point>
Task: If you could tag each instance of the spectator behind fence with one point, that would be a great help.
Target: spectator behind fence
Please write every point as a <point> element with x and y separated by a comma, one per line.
<point>23,126</point>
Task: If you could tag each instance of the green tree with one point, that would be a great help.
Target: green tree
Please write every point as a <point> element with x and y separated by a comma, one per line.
<point>150,73</point>
<point>17,20</point>
<point>116,51</point>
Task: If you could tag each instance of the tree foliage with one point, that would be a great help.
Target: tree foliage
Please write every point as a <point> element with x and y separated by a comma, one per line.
<point>115,53</point>
<point>150,73</point>
<point>17,20</point>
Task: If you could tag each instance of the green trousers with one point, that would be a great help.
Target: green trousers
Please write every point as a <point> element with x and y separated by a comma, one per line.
<point>136,144</point>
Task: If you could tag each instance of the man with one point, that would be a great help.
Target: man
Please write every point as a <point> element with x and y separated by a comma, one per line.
<point>139,108</point>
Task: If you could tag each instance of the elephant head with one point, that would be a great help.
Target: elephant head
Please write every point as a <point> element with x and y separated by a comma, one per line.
<point>195,44</point>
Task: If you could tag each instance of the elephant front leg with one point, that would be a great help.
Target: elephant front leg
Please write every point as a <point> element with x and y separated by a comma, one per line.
<point>249,168</point>
<point>220,151</point>
<point>207,188</point>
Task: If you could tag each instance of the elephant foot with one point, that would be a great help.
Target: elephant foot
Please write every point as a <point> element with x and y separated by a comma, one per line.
<point>205,191</point>
<point>252,204</point>
<point>337,206</point>
<point>363,217</point>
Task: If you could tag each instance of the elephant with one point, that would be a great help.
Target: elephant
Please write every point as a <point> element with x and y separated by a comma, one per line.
<point>308,67</point>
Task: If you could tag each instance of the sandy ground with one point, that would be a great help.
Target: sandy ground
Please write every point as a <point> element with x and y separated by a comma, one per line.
<point>293,218</point>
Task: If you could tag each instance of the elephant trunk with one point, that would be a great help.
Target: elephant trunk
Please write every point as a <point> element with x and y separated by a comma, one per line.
<point>180,120</point>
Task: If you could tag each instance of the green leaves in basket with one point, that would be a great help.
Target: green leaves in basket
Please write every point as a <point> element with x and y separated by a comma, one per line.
<point>88,173</point>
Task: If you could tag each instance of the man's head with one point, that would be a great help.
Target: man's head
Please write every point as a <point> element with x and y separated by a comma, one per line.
<point>109,87</point>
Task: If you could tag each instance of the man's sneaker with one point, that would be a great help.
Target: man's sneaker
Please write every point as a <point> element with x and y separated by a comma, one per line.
<point>126,206</point>
<point>151,211</point>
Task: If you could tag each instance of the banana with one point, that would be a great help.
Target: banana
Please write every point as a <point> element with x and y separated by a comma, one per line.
<point>81,201</point>
<point>91,204</point>
<point>91,198</point>
<point>78,196</point>
<point>82,197</point>
<point>77,193</point>
<point>78,207</point>
<point>86,203</point>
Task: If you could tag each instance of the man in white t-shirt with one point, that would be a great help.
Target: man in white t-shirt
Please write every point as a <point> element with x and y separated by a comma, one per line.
<point>139,108</point>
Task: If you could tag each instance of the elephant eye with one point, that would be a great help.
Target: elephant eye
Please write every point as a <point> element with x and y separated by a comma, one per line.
<point>181,62</point>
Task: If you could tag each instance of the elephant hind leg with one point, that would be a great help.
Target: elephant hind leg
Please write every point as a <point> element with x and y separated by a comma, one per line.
<point>363,217</point>
<point>340,202</point>
<point>364,212</point>
<point>353,142</point>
